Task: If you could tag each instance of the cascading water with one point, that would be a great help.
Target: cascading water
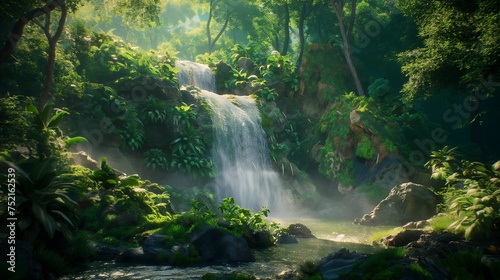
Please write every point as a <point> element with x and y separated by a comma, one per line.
<point>195,74</point>
<point>241,154</point>
<point>240,147</point>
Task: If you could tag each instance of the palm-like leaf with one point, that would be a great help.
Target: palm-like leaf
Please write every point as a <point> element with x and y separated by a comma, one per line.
<point>44,201</point>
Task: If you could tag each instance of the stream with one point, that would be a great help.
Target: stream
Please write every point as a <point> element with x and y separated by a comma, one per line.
<point>331,236</point>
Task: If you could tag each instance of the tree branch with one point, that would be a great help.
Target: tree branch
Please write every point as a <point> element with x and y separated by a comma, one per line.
<point>18,29</point>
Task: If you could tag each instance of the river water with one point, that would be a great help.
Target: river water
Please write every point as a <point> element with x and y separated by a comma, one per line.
<point>331,236</point>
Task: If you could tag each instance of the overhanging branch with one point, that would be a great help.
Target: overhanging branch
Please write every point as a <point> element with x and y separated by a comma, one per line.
<point>18,29</point>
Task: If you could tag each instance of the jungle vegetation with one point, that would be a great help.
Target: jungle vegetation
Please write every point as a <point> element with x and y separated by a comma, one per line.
<point>423,76</point>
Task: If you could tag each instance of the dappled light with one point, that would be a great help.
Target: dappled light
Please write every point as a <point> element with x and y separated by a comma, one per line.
<point>233,139</point>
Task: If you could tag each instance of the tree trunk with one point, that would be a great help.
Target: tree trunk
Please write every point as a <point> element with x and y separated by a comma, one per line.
<point>301,35</point>
<point>287,30</point>
<point>51,62</point>
<point>18,29</point>
<point>339,12</point>
<point>220,32</point>
<point>209,37</point>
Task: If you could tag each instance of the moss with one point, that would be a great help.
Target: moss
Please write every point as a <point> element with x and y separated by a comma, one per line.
<point>376,236</point>
<point>441,223</point>
<point>378,265</point>
<point>365,149</point>
<point>181,259</point>
<point>420,271</point>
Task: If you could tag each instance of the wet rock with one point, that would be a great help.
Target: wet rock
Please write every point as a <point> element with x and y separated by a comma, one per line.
<point>340,262</point>
<point>134,255</point>
<point>229,276</point>
<point>104,252</point>
<point>259,239</point>
<point>405,203</point>
<point>287,239</point>
<point>152,252</point>
<point>216,246</point>
<point>287,275</point>
<point>437,245</point>
<point>300,231</point>
<point>155,246</point>
<point>402,238</point>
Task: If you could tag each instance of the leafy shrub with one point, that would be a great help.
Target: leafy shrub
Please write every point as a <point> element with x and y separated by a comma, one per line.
<point>132,137</point>
<point>43,200</point>
<point>13,122</point>
<point>379,88</point>
<point>365,149</point>
<point>476,205</point>
<point>442,223</point>
<point>155,158</point>
<point>466,265</point>
<point>154,109</point>
<point>241,220</point>
<point>188,155</point>
<point>184,114</point>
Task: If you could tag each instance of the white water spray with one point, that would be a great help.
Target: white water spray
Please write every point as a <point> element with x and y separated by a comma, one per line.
<point>195,74</point>
<point>240,148</point>
<point>241,154</point>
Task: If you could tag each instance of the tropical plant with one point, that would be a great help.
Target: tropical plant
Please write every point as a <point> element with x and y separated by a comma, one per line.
<point>188,154</point>
<point>107,178</point>
<point>242,220</point>
<point>43,200</point>
<point>13,123</point>
<point>184,114</point>
<point>132,137</point>
<point>472,193</point>
<point>269,94</point>
<point>46,134</point>
<point>239,79</point>
<point>154,110</point>
<point>155,158</point>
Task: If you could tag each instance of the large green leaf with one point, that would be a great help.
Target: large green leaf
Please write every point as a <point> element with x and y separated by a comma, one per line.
<point>48,222</point>
<point>56,119</point>
<point>74,140</point>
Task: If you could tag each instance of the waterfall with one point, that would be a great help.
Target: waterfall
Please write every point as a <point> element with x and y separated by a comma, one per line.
<point>195,74</point>
<point>240,148</point>
<point>241,154</point>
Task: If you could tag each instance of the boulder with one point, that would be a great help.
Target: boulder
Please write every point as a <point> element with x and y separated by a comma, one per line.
<point>402,238</point>
<point>287,239</point>
<point>83,159</point>
<point>339,263</point>
<point>216,246</point>
<point>104,252</point>
<point>153,251</point>
<point>259,239</point>
<point>155,246</point>
<point>134,255</point>
<point>405,203</point>
<point>246,64</point>
<point>300,231</point>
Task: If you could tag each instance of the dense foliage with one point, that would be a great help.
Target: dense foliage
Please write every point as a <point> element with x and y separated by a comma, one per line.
<point>472,191</point>
<point>100,76</point>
